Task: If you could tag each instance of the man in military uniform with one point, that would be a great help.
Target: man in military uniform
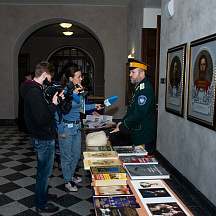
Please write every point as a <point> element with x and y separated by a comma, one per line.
<point>139,118</point>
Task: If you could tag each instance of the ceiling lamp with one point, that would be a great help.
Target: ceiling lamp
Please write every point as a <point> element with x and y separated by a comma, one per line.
<point>65,25</point>
<point>68,33</point>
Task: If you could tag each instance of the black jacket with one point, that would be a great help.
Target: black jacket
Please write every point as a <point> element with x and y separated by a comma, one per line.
<point>39,115</point>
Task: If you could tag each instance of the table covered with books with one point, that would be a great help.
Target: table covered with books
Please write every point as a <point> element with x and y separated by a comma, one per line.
<point>128,181</point>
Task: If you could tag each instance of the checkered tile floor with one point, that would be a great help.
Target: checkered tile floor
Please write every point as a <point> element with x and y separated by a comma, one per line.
<point>17,180</point>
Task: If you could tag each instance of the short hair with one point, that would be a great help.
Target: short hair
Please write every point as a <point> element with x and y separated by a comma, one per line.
<point>44,66</point>
<point>201,57</point>
<point>141,69</point>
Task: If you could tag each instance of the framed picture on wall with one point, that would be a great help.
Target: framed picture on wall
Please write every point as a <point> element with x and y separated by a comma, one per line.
<point>128,85</point>
<point>201,90</point>
<point>175,79</point>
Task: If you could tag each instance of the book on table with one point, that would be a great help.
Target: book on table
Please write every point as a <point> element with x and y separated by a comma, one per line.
<point>117,211</point>
<point>152,190</point>
<point>166,208</point>
<point>114,190</point>
<point>107,169</point>
<point>138,159</point>
<point>100,162</point>
<point>130,150</point>
<point>97,148</point>
<point>147,171</point>
<point>109,179</point>
<point>100,155</point>
<point>115,201</point>
<point>95,122</point>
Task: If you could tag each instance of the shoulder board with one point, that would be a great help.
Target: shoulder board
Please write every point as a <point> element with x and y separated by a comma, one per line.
<point>140,87</point>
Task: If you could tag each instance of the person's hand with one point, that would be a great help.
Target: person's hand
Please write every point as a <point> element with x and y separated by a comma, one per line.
<point>63,135</point>
<point>55,97</point>
<point>117,128</point>
<point>77,90</point>
<point>95,113</point>
<point>118,124</point>
<point>99,107</point>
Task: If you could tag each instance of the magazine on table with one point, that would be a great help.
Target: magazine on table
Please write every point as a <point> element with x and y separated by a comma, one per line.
<point>94,122</point>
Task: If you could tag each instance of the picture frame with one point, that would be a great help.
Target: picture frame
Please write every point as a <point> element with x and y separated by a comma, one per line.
<point>201,86</point>
<point>128,85</point>
<point>175,79</point>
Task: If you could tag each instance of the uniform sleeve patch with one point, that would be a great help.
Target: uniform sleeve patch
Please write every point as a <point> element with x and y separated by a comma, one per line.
<point>142,100</point>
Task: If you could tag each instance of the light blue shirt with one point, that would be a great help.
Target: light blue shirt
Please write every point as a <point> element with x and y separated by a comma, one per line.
<point>74,113</point>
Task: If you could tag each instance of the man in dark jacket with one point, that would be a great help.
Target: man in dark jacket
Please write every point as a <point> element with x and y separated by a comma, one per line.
<point>139,118</point>
<point>40,122</point>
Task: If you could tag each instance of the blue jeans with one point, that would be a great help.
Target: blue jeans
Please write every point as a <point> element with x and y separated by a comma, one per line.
<point>45,152</point>
<point>70,149</point>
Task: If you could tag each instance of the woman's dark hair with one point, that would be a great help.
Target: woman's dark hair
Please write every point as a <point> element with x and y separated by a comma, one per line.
<point>70,72</point>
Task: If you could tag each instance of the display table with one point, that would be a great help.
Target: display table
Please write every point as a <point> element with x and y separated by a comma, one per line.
<point>143,211</point>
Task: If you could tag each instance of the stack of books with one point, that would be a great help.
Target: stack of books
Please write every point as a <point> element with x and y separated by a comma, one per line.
<point>99,156</point>
<point>111,193</point>
<point>146,171</point>
<point>138,159</point>
<point>108,175</point>
<point>130,150</point>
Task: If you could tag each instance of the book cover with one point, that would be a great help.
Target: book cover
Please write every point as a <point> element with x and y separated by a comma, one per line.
<point>110,179</point>
<point>100,155</point>
<point>100,162</point>
<point>114,190</point>
<point>166,208</point>
<point>152,190</point>
<point>117,211</point>
<point>146,171</point>
<point>115,201</point>
<point>138,159</point>
<point>130,150</point>
<point>97,148</point>
<point>107,169</point>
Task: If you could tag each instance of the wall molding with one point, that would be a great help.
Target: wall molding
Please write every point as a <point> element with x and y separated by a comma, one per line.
<point>8,122</point>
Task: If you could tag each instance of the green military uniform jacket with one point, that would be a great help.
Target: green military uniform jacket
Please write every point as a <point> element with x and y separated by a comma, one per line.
<point>140,114</point>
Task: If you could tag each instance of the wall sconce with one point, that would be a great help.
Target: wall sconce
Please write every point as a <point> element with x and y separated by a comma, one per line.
<point>132,55</point>
<point>67,33</point>
<point>169,9</point>
<point>65,25</point>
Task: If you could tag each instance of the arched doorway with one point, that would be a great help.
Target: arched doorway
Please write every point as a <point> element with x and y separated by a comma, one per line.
<point>32,49</point>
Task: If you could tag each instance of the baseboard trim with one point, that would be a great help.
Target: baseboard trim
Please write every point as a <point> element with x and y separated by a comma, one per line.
<point>204,203</point>
<point>8,122</point>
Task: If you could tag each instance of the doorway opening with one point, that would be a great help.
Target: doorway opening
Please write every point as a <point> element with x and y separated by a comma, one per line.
<point>70,56</point>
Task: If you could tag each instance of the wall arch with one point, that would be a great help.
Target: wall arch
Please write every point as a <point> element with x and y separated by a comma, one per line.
<point>24,36</point>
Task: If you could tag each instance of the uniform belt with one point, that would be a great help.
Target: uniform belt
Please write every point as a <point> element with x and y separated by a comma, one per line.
<point>71,122</point>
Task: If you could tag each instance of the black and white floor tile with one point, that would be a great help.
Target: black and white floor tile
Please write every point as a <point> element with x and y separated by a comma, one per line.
<point>17,180</point>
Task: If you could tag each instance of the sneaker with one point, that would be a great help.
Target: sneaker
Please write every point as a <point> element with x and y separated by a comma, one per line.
<point>71,186</point>
<point>48,209</point>
<point>76,179</point>
<point>51,196</point>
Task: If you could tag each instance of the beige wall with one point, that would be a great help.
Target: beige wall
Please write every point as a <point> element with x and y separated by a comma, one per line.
<point>108,24</point>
